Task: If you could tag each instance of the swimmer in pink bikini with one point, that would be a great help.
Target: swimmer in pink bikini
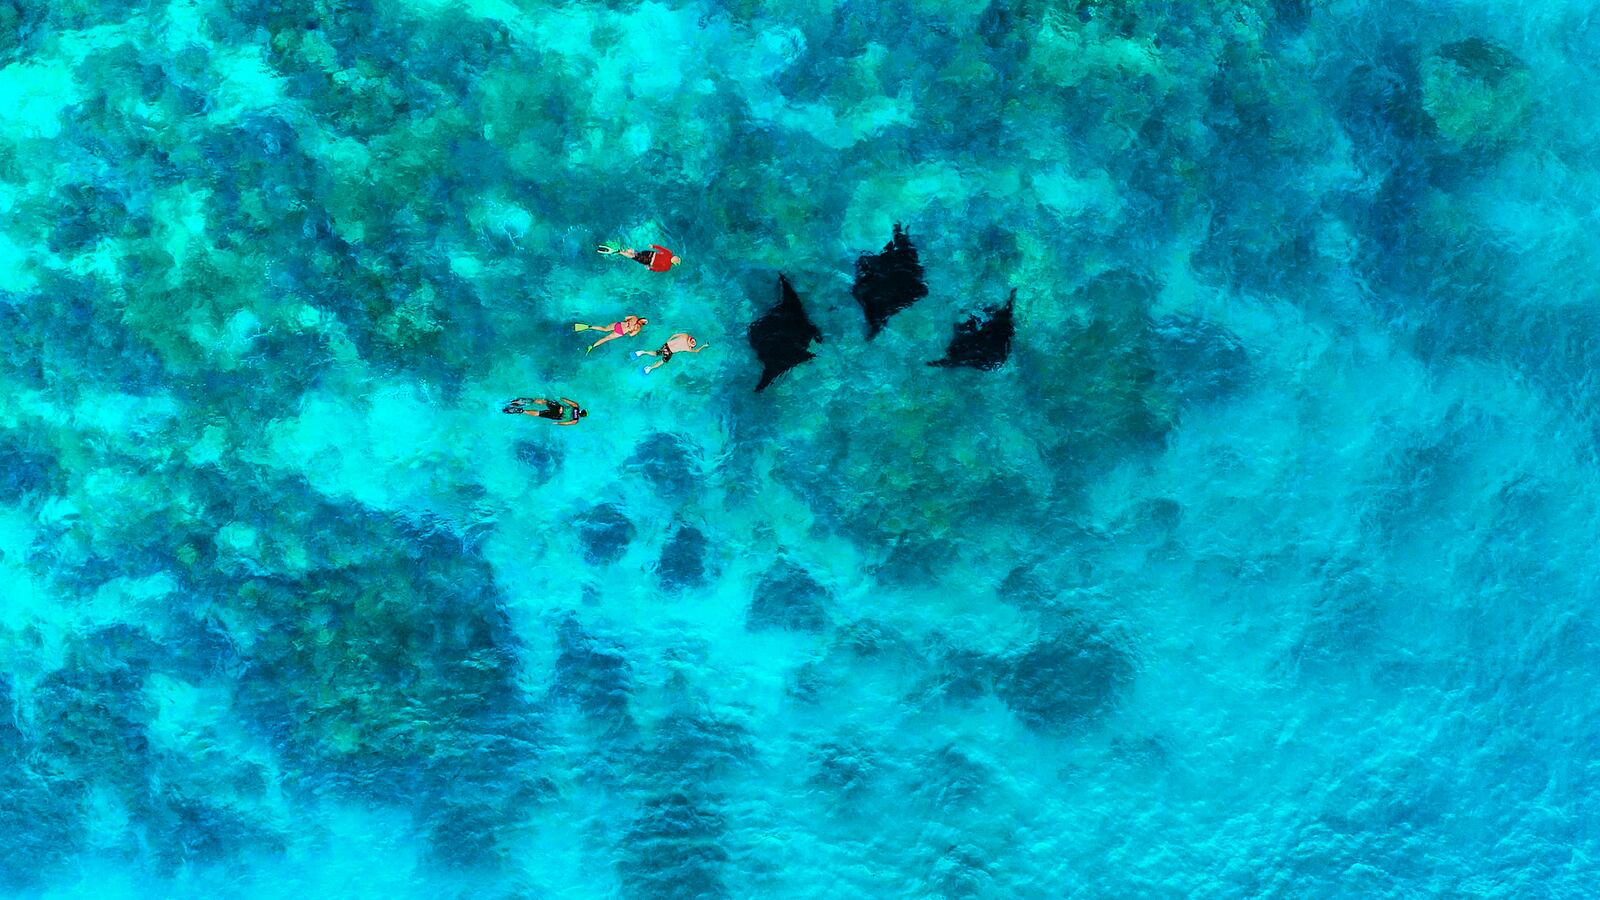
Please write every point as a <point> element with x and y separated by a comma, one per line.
<point>628,327</point>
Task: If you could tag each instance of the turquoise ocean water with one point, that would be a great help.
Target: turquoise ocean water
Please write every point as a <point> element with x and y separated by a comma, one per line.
<point>1264,566</point>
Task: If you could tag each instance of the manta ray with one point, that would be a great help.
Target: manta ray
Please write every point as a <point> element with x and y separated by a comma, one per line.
<point>983,342</point>
<point>782,337</point>
<point>888,282</point>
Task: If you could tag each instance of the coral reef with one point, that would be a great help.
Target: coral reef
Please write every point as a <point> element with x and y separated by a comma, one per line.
<point>1476,91</point>
<point>790,599</point>
<point>1066,680</point>
<point>683,559</point>
<point>1251,534</point>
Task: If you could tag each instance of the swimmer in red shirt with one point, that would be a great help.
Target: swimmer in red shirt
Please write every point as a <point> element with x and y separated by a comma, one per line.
<point>658,258</point>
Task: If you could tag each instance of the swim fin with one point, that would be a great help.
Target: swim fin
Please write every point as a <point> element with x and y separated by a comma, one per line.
<point>580,327</point>
<point>608,248</point>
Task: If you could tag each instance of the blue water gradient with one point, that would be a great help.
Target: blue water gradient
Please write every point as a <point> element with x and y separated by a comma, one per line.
<point>1263,566</point>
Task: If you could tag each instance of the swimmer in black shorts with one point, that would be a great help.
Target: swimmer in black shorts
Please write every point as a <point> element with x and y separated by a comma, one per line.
<point>678,343</point>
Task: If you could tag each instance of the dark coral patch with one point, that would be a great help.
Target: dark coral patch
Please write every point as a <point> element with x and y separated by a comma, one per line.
<point>1067,680</point>
<point>183,831</point>
<point>788,598</point>
<point>1483,59</point>
<point>964,675</point>
<point>604,534</point>
<point>87,213</point>
<point>674,849</point>
<point>683,559</point>
<point>540,458</point>
<point>593,673</point>
<point>23,470</point>
<point>669,462</point>
<point>695,747</point>
<point>843,769</point>
<point>1198,360</point>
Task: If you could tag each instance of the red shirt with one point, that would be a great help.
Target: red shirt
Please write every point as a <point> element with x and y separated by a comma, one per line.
<point>662,261</point>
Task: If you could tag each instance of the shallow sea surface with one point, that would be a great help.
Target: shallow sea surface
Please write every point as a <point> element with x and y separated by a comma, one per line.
<point>1265,565</point>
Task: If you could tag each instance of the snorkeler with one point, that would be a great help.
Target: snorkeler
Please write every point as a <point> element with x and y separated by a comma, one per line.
<point>658,258</point>
<point>678,343</point>
<point>630,326</point>
<point>563,413</point>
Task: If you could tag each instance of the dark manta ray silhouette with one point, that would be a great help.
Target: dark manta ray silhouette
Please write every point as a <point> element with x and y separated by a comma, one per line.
<point>888,282</point>
<point>983,342</point>
<point>782,337</point>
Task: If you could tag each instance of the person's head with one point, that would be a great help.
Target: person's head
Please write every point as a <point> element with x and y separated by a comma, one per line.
<point>676,260</point>
<point>582,413</point>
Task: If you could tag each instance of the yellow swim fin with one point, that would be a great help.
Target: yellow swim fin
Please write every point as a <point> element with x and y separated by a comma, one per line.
<point>580,327</point>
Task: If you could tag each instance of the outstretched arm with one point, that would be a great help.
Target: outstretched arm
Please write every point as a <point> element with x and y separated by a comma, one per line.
<point>569,403</point>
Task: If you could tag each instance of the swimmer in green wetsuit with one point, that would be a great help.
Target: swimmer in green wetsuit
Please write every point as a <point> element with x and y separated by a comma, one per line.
<point>564,412</point>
